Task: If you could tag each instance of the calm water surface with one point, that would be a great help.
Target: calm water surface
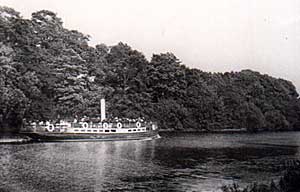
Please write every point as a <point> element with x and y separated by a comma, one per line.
<point>176,162</point>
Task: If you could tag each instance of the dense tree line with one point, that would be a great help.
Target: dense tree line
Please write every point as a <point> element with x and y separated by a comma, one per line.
<point>50,72</point>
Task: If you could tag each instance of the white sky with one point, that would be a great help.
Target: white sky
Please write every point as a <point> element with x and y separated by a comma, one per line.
<point>212,35</point>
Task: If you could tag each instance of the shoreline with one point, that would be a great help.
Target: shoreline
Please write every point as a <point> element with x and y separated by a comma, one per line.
<point>14,138</point>
<point>243,130</point>
<point>222,131</point>
<point>19,138</point>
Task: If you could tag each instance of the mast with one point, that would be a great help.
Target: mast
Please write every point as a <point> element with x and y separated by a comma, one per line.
<point>103,117</point>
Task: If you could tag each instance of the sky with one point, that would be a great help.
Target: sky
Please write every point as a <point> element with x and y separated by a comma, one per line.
<point>211,35</point>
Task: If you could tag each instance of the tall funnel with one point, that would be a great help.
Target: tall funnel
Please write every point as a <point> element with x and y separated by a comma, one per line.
<point>103,117</point>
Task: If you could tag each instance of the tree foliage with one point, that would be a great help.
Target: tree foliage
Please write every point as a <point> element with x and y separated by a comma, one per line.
<point>50,72</point>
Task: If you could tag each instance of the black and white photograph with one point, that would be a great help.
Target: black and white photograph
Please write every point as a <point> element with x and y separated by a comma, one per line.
<point>149,96</point>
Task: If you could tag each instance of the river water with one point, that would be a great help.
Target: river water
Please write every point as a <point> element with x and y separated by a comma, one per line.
<point>175,162</point>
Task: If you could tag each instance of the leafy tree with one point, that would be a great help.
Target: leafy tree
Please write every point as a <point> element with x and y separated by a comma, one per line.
<point>49,72</point>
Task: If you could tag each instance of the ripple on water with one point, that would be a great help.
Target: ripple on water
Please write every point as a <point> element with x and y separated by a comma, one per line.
<point>180,162</point>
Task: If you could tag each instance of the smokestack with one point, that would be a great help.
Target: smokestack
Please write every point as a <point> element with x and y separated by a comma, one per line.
<point>103,117</point>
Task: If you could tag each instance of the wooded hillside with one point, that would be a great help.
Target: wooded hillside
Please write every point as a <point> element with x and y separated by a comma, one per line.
<point>50,72</point>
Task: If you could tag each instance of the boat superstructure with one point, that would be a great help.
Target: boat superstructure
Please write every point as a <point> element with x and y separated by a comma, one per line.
<point>92,129</point>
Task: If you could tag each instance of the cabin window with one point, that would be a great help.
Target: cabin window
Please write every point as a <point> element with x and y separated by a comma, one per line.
<point>134,130</point>
<point>129,130</point>
<point>89,130</point>
<point>94,130</point>
<point>76,130</point>
<point>83,130</point>
<point>138,129</point>
<point>113,130</point>
<point>100,130</point>
<point>106,131</point>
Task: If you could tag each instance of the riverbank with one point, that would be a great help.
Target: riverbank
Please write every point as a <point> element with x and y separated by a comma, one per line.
<point>242,130</point>
<point>222,131</point>
<point>15,138</point>
<point>9,138</point>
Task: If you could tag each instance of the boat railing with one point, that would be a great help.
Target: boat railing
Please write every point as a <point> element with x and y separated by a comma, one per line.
<point>111,125</point>
<point>34,127</point>
<point>64,126</point>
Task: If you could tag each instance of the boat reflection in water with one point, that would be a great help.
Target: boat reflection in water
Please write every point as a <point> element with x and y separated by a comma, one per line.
<point>72,166</point>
